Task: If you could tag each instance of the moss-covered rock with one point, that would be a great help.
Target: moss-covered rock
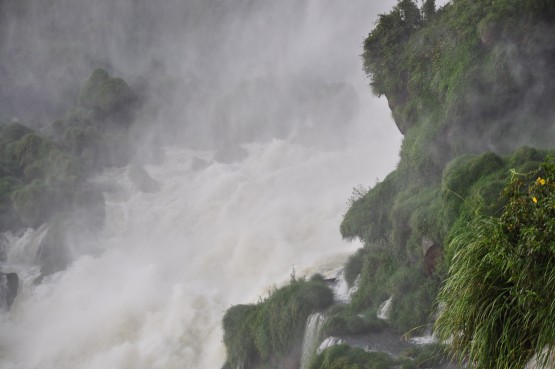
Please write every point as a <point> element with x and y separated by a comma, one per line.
<point>343,320</point>
<point>106,95</point>
<point>343,356</point>
<point>33,203</point>
<point>263,334</point>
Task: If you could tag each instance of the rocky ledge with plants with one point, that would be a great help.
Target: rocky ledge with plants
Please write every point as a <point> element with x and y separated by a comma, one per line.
<point>44,172</point>
<point>461,235</point>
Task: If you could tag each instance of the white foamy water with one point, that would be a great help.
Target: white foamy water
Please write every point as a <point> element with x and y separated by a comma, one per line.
<point>311,338</point>
<point>172,262</point>
<point>329,342</point>
<point>385,309</point>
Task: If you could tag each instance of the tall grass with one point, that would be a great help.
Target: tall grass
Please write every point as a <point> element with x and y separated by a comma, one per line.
<point>498,303</point>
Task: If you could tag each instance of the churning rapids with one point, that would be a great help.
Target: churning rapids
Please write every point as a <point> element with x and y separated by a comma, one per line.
<point>172,262</point>
<point>175,260</point>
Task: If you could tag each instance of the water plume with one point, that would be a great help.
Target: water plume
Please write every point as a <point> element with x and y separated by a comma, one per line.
<point>169,263</point>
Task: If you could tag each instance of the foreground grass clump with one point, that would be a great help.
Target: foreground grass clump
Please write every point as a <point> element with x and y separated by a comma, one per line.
<point>258,335</point>
<point>498,303</point>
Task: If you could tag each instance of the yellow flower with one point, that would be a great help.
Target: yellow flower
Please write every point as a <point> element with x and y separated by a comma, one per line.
<point>540,180</point>
<point>535,200</point>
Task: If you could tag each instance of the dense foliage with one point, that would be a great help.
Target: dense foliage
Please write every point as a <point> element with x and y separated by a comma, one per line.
<point>470,86</point>
<point>498,301</point>
<point>43,173</point>
<point>262,334</point>
<point>461,80</point>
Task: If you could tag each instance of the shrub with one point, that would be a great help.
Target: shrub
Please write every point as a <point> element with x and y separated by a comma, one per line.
<point>345,321</point>
<point>498,301</point>
<point>353,266</point>
<point>274,327</point>
<point>379,263</point>
<point>105,95</point>
<point>33,203</point>
<point>238,323</point>
<point>368,217</point>
<point>413,299</point>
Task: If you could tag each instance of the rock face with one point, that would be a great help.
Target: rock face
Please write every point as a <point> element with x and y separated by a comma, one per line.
<point>432,254</point>
<point>142,180</point>
<point>104,94</point>
<point>9,284</point>
<point>230,153</point>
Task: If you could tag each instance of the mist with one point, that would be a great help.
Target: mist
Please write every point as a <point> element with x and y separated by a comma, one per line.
<point>282,79</point>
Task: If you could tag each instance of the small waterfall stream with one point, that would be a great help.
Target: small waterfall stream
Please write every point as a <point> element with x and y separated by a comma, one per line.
<point>385,309</point>
<point>428,338</point>
<point>311,337</point>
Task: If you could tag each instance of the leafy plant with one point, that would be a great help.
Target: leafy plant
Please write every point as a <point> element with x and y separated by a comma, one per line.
<point>497,304</point>
<point>262,333</point>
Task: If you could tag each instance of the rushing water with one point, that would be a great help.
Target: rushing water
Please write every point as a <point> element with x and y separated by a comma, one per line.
<point>385,309</point>
<point>175,260</point>
<point>311,339</point>
<point>172,262</point>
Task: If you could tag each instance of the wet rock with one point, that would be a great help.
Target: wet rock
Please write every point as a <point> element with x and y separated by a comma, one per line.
<point>142,180</point>
<point>432,253</point>
<point>3,247</point>
<point>9,284</point>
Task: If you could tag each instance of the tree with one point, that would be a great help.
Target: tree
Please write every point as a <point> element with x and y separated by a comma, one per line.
<point>428,9</point>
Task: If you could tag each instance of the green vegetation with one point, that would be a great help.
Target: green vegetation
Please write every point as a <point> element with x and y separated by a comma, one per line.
<point>346,357</point>
<point>343,356</point>
<point>470,86</point>
<point>460,81</point>
<point>105,95</point>
<point>261,335</point>
<point>43,175</point>
<point>97,130</point>
<point>396,265</point>
<point>464,77</point>
<point>344,320</point>
<point>385,273</point>
<point>498,301</point>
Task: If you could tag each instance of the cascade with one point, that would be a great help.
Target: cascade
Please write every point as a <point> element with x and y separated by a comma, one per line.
<point>329,342</point>
<point>385,309</point>
<point>340,287</point>
<point>311,338</point>
<point>428,338</point>
<point>354,288</point>
<point>170,263</point>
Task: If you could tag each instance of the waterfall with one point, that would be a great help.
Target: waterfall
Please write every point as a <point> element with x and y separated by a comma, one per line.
<point>340,286</point>
<point>311,338</point>
<point>170,263</point>
<point>385,309</point>
<point>428,338</point>
<point>329,342</point>
<point>353,289</point>
<point>543,360</point>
